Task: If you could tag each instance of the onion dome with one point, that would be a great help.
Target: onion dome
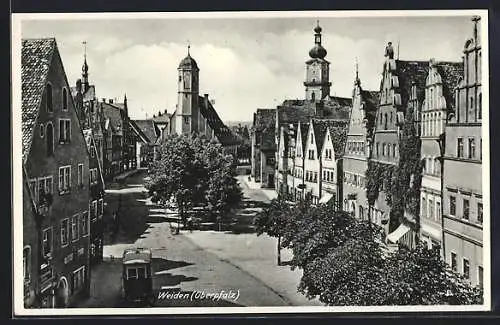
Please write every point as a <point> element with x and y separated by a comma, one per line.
<point>318,29</point>
<point>317,52</point>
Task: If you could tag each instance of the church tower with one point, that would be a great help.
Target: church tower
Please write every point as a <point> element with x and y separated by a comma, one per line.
<point>317,70</point>
<point>187,110</point>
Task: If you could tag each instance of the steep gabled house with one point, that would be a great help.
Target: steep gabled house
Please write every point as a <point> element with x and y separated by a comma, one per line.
<point>55,161</point>
<point>312,165</point>
<point>142,145</point>
<point>357,149</point>
<point>401,95</point>
<point>439,102</point>
<point>299,161</point>
<point>332,161</point>
<point>263,122</point>
<point>148,151</point>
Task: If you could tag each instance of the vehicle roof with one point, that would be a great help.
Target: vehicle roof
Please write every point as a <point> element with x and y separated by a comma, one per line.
<point>137,255</point>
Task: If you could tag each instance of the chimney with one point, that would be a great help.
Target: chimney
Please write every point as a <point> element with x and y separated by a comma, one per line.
<point>111,100</point>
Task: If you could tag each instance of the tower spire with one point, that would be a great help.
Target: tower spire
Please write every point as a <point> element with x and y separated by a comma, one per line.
<point>357,81</point>
<point>85,68</point>
<point>189,47</point>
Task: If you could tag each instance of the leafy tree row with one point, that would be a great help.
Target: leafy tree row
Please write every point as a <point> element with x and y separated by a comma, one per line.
<point>194,171</point>
<point>346,262</point>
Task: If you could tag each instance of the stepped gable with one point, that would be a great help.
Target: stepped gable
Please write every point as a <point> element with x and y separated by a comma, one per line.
<point>36,57</point>
<point>221,131</point>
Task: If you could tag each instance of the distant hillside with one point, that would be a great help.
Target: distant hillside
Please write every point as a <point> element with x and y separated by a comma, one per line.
<point>236,123</point>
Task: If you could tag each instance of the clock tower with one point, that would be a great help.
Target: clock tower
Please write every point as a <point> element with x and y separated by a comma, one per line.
<point>317,70</point>
<point>187,111</point>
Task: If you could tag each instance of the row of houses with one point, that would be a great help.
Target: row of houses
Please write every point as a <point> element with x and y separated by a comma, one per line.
<point>72,144</point>
<point>395,156</point>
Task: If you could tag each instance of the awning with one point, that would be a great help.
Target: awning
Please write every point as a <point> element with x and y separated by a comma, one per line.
<point>394,236</point>
<point>327,197</point>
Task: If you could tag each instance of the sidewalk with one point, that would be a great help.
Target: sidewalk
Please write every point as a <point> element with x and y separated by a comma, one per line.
<point>255,255</point>
<point>269,192</point>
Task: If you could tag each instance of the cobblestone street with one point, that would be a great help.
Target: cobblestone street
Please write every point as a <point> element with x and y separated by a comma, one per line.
<point>204,262</point>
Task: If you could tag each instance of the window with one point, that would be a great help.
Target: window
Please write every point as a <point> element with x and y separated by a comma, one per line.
<point>383,149</point>
<point>438,210</point>
<point>64,178</point>
<point>85,223</point>
<point>64,232</point>
<point>376,148</point>
<point>47,242</point>
<point>44,188</point>
<point>480,276</point>
<point>480,213</point>
<point>74,228</point>
<point>453,205</point>
<point>79,279</point>
<point>466,209</point>
<point>27,264</point>
<point>385,125</point>
<point>64,130</point>
<point>479,107</point>
<point>394,152</point>
<point>460,148</point>
<point>101,207</point>
<point>49,131</point>
<point>64,99</point>
<point>453,261</point>
<point>472,148</point>
<point>466,270</point>
<point>42,131</point>
<point>131,273</point>
<point>80,174</point>
<point>431,208</point>
<point>48,98</point>
<point>186,118</point>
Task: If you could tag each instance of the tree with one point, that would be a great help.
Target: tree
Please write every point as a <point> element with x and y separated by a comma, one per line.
<point>345,262</point>
<point>273,221</point>
<point>223,192</point>
<point>177,174</point>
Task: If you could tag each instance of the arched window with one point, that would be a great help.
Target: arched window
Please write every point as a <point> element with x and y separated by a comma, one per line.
<point>50,139</point>
<point>313,96</point>
<point>394,150</point>
<point>377,148</point>
<point>64,99</point>
<point>42,131</point>
<point>385,125</point>
<point>383,149</point>
<point>48,98</point>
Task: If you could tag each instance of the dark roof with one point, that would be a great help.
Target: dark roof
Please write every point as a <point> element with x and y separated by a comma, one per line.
<point>293,111</point>
<point>36,57</point>
<point>188,63</point>
<point>148,128</point>
<point>114,114</point>
<point>268,141</point>
<point>138,131</point>
<point>338,134</point>
<point>223,134</point>
<point>451,73</point>
<point>410,72</point>
<point>371,99</point>
<point>162,117</point>
<point>304,129</point>
<point>263,118</point>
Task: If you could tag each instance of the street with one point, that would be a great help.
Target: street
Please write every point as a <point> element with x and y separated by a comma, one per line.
<point>193,264</point>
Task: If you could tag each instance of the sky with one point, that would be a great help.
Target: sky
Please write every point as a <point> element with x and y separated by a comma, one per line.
<point>245,63</point>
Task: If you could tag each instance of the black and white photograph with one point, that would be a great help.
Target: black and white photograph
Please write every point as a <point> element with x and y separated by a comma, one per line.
<point>250,162</point>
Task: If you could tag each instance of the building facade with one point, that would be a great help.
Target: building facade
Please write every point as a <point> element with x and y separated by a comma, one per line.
<point>357,149</point>
<point>262,128</point>
<point>56,165</point>
<point>439,102</point>
<point>462,196</point>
